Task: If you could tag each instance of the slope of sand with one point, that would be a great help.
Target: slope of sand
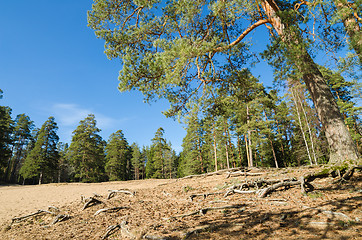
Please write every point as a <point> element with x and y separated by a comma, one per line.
<point>18,200</point>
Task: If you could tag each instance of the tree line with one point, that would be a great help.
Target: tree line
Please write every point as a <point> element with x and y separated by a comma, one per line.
<point>29,155</point>
<point>245,125</point>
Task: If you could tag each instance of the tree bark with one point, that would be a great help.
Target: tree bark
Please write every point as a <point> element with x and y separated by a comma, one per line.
<point>340,142</point>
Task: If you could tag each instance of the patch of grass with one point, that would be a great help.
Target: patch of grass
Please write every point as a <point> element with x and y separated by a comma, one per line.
<point>187,188</point>
<point>315,195</point>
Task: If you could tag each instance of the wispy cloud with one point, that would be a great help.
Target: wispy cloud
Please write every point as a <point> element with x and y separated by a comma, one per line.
<point>68,117</point>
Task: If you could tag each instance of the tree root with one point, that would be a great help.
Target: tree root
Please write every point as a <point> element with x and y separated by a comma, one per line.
<point>91,201</point>
<point>115,209</point>
<point>331,213</point>
<point>112,193</point>
<point>19,219</point>
<point>203,211</point>
<point>242,173</point>
<point>213,173</point>
<point>204,195</point>
<point>264,192</point>
<point>60,218</point>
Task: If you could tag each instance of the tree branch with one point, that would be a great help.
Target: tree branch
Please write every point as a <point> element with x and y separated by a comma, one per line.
<point>246,32</point>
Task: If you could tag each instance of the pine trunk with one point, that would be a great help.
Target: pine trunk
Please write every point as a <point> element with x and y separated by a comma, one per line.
<point>340,142</point>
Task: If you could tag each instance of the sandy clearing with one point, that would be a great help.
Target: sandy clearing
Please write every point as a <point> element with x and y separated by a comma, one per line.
<point>18,200</point>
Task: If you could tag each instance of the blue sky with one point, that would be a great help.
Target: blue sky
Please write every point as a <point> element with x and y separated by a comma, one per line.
<point>51,64</point>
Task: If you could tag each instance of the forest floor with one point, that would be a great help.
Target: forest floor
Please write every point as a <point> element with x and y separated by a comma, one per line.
<point>172,209</point>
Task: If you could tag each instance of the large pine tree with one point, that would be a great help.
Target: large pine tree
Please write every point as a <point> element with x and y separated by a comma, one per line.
<point>178,50</point>
<point>21,138</point>
<point>86,151</point>
<point>118,159</point>
<point>41,162</point>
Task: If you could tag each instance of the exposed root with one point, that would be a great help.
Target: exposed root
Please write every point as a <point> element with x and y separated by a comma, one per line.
<point>331,213</point>
<point>111,230</point>
<point>60,218</point>
<point>19,219</point>
<point>213,173</point>
<point>203,211</point>
<point>115,209</point>
<point>112,193</point>
<point>264,192</point>
<point>242,173</point>
<point>91,201</point>
<point>204,195</point>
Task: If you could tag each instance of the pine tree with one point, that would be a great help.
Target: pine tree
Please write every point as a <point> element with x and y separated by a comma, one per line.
<point>6,127</point>
<point>181,68</point>
<point>64,167</point>
<point>21,138</point>
<point>118,158</point>
<point>41,162</point>
<point>137,162</point>
<point>86,151</point>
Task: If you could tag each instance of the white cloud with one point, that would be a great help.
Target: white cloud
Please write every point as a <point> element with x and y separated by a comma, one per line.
<point>68,117</point>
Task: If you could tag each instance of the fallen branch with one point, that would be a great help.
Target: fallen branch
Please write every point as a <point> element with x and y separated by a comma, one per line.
<point>90,202</point>
<point>18,219</point>
<point>113,192</point>
<point>115,209</point>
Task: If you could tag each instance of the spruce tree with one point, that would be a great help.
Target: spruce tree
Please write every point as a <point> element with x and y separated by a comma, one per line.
<point>41,162</point>
<point>86,151</point>
<point>118,158</point>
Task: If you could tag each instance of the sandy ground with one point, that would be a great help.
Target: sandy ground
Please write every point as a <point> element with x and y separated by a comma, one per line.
<point>162,209</point>
<point>18,200</point>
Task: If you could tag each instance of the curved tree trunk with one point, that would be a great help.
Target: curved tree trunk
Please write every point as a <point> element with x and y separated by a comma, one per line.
<point>340,142</point>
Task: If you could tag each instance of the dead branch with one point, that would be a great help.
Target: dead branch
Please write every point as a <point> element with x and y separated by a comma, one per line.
<point>263,192</point>
<point>60,218</point>
<point>90,202</point>
<point>19,219</point>
<point>113,192</point>
<point>114,209</point>
<point>203,211</point>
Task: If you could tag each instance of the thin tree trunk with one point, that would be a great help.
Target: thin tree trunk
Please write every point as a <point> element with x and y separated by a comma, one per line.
<point>271,144</point>
<point>215,150</point>
<point>309,130</point>
<point>40,177</point>
<point>240,152</point>
<point>339,139</point>
<point>247,149</point>
<point>251,163</point>
<point>301,127</point>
